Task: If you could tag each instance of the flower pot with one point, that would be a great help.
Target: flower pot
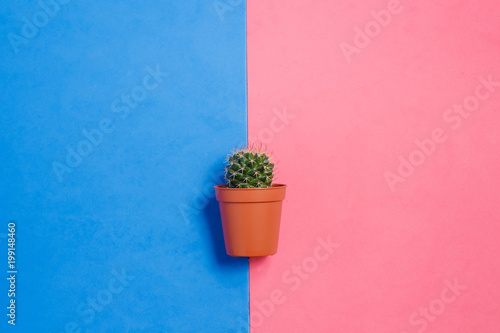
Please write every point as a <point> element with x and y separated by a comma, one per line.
<point>251,219</point>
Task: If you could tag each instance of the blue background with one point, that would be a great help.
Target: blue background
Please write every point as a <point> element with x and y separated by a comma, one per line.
<point>141,202</point>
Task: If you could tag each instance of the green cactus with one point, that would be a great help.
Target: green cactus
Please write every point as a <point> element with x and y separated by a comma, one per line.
<point>249,168</point>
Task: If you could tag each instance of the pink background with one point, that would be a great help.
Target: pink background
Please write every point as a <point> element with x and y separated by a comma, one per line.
<point>353,119</point>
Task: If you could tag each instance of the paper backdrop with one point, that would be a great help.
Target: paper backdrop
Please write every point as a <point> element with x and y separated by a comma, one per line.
<point>116,118</point>
<point>384,116</point>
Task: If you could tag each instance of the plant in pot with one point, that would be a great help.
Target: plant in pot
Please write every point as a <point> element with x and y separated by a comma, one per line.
<point>250,204</point>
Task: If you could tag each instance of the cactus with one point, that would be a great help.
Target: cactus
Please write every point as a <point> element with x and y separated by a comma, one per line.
<point>249,168</point>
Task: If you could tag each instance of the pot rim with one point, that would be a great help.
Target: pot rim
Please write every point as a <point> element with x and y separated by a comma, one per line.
<point>268,194</point>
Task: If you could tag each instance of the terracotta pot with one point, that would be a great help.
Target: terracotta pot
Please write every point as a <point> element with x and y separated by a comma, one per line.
<point>250,219</point>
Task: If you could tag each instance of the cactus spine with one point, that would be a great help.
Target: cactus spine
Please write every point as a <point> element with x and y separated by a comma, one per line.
<point>249,168</point>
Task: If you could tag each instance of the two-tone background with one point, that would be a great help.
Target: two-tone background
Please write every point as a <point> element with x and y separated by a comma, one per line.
<point>384,116</point>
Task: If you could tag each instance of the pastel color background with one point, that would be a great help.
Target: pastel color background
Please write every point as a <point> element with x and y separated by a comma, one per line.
<point>341,92</point>
<point>141,204</point>
<point>352,121</point>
